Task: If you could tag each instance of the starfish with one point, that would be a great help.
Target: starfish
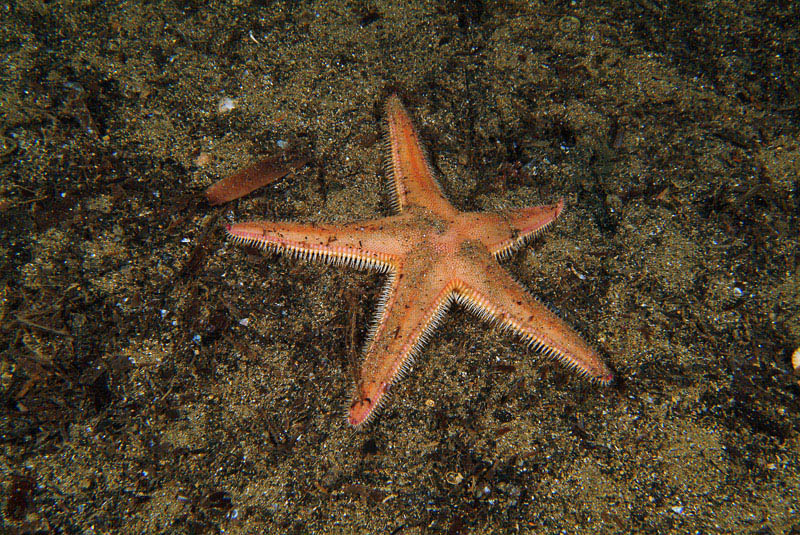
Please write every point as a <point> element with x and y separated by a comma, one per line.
<point>434,256</point>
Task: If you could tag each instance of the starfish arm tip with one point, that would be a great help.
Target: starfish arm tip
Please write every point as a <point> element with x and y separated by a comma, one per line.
<point>360,412</point>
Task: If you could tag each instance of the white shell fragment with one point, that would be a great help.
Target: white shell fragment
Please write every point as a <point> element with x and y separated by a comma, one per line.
<point>226,104</point>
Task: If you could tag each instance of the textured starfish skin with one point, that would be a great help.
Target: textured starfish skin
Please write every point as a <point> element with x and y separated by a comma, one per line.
<point>434,255</point>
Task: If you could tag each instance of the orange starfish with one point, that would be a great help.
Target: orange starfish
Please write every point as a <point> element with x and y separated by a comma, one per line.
<point>434,256</point>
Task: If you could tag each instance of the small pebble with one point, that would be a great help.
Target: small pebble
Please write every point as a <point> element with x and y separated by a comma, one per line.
<point>796,361</point>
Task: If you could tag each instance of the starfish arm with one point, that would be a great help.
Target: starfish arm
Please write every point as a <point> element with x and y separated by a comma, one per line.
<point>516,227</point>
<point>363,245</point>
<point>411,175</point>
<point>493,294</point>
<point>410,309</point>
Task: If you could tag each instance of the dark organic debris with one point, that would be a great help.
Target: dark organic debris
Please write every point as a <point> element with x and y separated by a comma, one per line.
<point>365,493</point>
<point>20,491</point>
<point>217,499</point>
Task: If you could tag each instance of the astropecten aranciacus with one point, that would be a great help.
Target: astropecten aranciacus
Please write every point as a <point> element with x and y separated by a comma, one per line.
<point>434,256</point>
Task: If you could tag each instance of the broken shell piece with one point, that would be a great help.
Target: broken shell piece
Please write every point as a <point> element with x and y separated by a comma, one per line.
<point>796,361</point>
<point>203,159</point>
<point>226,104</point>
<point>251,178</point>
